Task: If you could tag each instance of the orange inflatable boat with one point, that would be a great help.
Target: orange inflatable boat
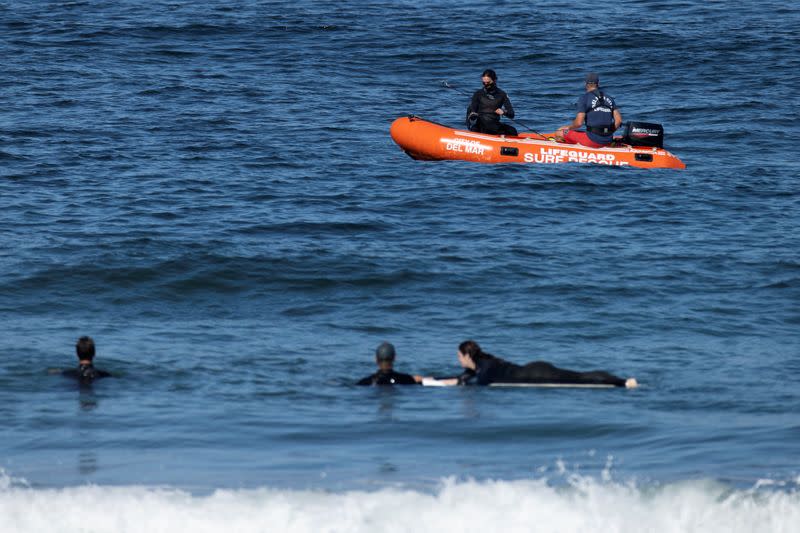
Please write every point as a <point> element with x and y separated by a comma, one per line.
<point>429,141</point>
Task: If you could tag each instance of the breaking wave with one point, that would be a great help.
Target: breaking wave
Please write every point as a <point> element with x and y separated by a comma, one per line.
<point>583,504</point>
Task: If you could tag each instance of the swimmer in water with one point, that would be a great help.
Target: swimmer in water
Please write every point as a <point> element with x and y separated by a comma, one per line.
<point>482,368</point>
<point>86,372</point>
<point>384,358</point>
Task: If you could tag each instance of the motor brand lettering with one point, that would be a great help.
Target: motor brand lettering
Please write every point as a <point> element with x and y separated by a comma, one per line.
<point>644,131</point>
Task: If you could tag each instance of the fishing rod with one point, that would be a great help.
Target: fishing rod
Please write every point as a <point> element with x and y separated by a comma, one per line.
<point>447,85</point>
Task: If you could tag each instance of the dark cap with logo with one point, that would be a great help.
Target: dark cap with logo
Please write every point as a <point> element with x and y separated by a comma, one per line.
<point>385,352</point>
<point>592,77</point>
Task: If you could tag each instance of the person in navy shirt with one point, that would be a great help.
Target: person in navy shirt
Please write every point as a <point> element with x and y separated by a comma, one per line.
<point>598,111</point>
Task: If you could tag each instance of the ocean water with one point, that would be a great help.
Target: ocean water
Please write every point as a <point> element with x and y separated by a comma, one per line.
<point>210,191</point>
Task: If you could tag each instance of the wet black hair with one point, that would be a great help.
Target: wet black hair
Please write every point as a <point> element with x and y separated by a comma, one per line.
<point>471,349</point>
<point>85,348</point>
<point>492,74</point>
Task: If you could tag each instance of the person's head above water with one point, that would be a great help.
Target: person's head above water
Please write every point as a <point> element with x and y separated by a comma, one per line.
<point>384,356</point>
<point>488,78</point>
<point>86,372</point>
<point>84,349</point>
<point>470,354</point>
<point>592,81</point>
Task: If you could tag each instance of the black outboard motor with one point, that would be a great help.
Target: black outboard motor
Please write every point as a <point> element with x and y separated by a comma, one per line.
<point>644,134</point>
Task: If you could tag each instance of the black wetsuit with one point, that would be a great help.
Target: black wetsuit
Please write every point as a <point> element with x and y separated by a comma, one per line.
<point>499,371</point>
<point>388,378</point>
<point>86,373</point>
<point>484,103</point>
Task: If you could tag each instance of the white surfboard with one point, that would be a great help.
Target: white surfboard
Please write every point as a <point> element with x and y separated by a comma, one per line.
<point>556,385</point>
<point>431,382</point>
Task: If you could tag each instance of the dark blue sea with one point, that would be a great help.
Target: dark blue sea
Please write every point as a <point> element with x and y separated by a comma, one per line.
<point>210,191</point>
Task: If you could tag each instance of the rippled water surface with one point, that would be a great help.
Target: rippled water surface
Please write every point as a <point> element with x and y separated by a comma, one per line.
<point>210,191</point>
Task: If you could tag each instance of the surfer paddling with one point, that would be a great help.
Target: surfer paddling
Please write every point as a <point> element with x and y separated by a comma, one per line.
<point>482,368</point>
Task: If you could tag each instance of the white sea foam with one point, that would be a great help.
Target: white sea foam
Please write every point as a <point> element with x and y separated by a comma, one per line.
<point>530,506</point>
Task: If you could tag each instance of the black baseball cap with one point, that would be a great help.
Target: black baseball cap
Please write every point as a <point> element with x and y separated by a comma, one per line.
<point>592,77</point>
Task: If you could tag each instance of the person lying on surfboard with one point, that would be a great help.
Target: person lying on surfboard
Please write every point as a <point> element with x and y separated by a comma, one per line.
<point>485,369</point>
<point>488,104</point>
<point>384,358</point>
<point>598,111</point>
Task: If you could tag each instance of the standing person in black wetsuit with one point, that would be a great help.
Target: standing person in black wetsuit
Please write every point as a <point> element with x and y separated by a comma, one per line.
<point>384,357</point>
<point>484,369</point>
<point>488,105</point>
<point>86,373</point>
